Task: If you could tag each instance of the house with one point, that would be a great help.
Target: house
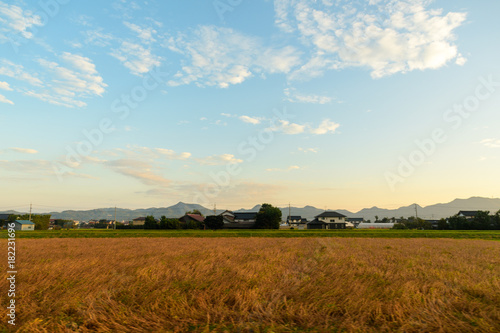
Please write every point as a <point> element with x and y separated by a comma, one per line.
<point>239,220</point>
<point>328,220</point>
<point>192,218</point>
<point>24,225</point>
<point>295,221</point>
<point>354,221</point>
<point>139,221</point>
<point>468,214</point>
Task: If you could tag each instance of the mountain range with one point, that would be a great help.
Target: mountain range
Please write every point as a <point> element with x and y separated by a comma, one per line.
<point>433,212</point>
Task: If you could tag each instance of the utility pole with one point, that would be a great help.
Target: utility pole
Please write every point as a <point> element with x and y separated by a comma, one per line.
<point>114,224</point>
<point>30,211</point>
<point>215,208</point>
<point>416,212</point>
<point>289,214</point>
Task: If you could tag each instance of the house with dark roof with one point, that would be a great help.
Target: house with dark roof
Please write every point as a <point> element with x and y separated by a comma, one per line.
<point>139,221</point>
<point>328,220</point>
<point>354,221</point>
<point>296,221</point>
<point>468,214</point>
<point>239,220</point>
<point>192,218</point>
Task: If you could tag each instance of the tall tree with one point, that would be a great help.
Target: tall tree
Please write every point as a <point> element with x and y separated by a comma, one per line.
<point>268,217</point>
<point>150,222</point>
<point>214,222</point>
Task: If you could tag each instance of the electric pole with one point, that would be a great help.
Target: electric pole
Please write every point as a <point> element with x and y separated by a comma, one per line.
<point>416,212</point>
<point>30,211</point>
<point>114,224</point>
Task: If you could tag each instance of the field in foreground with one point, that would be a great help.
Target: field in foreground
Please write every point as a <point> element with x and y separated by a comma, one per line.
<point>371,233</point>
<point>256,285</point>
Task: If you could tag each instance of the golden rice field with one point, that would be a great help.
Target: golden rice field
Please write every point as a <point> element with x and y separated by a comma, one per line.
<point>255,285</point>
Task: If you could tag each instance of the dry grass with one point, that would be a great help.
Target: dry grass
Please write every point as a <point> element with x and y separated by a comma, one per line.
<point>256,285</point>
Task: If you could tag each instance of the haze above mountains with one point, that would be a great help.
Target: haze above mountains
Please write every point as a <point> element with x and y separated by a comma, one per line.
<point>434,212</point>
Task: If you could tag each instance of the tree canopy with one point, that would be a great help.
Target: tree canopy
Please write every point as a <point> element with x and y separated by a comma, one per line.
<point>268,217</point>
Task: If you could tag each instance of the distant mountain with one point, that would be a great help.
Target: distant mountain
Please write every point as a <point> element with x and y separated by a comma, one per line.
<point>436,211</point>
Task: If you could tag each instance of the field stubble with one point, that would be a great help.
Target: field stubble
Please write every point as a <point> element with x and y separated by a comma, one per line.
<point>256,285</point>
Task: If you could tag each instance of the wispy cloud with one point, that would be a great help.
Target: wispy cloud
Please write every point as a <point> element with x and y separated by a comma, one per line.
<point>250,120</point>
<point>290,168</point>
<point>326,126</point>
<point>70,84</point>
<point>10,69</point>
<point>24,150</point>
<point>223,57</point>
<point>139,170</point>
<point>4,99</point>
<point>136,58</point>
<point>386,36</point>
<point>491,143</point>
<point>145,34</point>
<point>308,150</point>
<point>15,20</point>
<point>219,160</point>
<point>288,127</point>
<point>5,86</point>
<point>295,97</point>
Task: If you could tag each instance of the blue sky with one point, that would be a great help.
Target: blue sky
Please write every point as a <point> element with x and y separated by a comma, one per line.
<point>332,103</point>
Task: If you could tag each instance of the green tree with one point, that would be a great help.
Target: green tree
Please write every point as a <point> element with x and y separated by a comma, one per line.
<point>150,222</point>
<point>268,217</point>
<point>214,222</point>
<point>482,221</point>
<point>163,222</point>
<point>442,224</point>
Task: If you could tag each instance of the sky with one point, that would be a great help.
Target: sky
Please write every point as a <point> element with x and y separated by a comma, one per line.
<point>330,103</point>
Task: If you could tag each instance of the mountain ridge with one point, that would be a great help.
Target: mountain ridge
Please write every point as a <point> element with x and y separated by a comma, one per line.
<point>435,211</point>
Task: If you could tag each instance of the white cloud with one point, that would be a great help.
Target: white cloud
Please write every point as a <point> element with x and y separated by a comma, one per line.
<point>250,120</point>
<point>290,168</point>
<point>219,160</point>
<point>97,37</point>
<point>10,69</point>
<point>288,128</point>
<point>223,57</point>
<point>140,153</point>
<point>491,143</point>
<point>15,20</point>
<point>325,127</point>
<point>295,97</point>
<point>70,84</point>
<point>308,150</point>
<point>387,36</point>
<point>4,99</point>
<point>145,34</point>
<point>24,150</point>
<point>139,170</point>
<point>136,58</point>
<point>5,86</point>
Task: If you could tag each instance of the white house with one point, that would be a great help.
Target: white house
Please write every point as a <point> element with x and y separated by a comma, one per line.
<point>328,220</point>
<point>24,225</point>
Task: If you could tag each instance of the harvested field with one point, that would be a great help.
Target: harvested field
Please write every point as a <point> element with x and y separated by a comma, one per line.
<point>256,285</point>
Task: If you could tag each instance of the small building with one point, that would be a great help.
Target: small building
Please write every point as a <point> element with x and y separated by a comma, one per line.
<point>296,221</point>
<point>328,220</point>
<point>468,214</point>
<point>24,225</point>
<point>139,221</point>
<point>192,218</point>
<point>239,220</point>
<point>354,221</point>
